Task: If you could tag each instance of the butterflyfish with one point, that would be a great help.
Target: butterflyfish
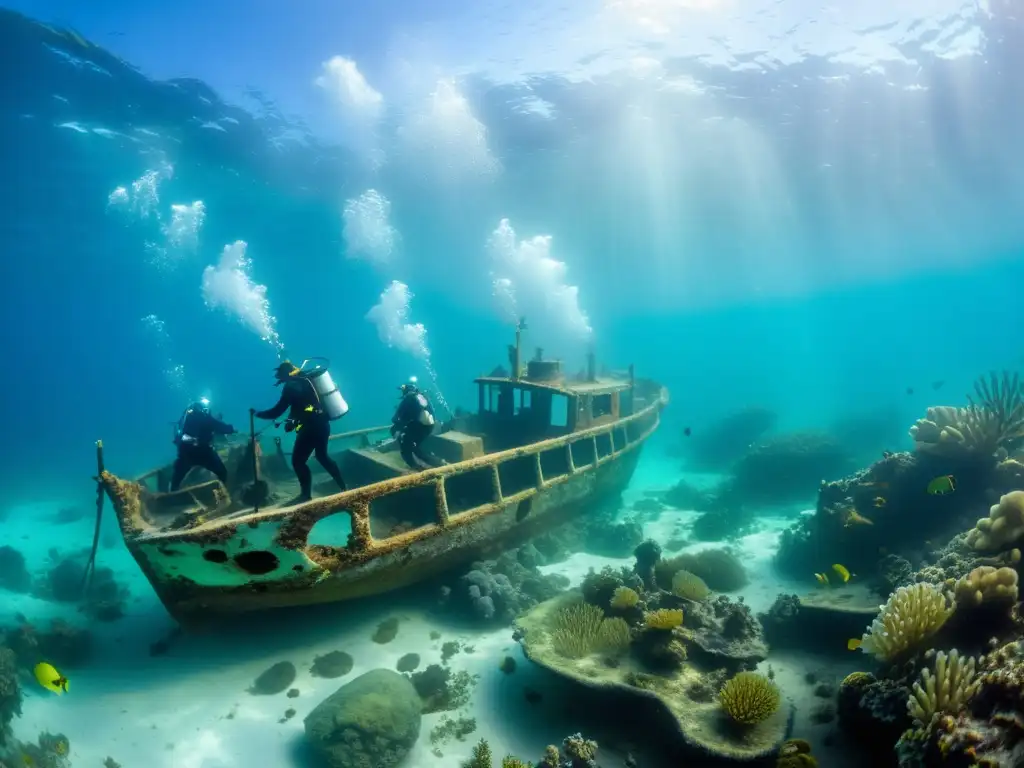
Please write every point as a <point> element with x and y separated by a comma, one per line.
<point>941,486</point>
<point>853,643</point>
<point>50,678</point>
<point>841,570</point>
<point>822,578</point>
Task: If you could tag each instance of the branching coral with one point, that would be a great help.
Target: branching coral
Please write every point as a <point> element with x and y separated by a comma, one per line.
<point>689,585</point>
<point>1004,526</point>
<point>578,748</point>
<point>481,756</point>
<point>749,698</point>
<point>624,598</point>
<point>613,637</point>
<point>993,421</point>
<point>912,614</point>
<point>664,619</point>
<point>985,584</point>
<point>948,690</point>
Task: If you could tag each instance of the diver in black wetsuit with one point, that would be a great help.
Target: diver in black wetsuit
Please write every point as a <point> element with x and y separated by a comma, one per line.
<point>412,424</point>
<point>311,425</point>
<point>194,438</point>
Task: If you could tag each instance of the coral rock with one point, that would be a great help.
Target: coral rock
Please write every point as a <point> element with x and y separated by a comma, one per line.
<point>1004,526</point>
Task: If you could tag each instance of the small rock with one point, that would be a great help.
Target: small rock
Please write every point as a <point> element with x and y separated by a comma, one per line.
<point>386,631</point>
<point>275,680</point>
<point>408,663</point>
<point>293,693</point>
<point>331,665</point>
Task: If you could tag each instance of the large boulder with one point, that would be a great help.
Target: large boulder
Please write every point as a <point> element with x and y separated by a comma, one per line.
<point>372,722</point>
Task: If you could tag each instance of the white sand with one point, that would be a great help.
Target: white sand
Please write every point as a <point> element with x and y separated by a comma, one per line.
<point>172,711</point>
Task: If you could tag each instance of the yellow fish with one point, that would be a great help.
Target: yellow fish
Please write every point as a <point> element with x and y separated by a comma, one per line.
<point>852,517</point>
<point>822,579</point>
<point>843,573</point>
<point>50,678</point>
<point>853,643</point>
<point>941,486</point>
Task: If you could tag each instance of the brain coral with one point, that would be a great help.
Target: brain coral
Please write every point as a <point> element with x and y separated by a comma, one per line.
<point>911,615</point>
<point>749,698</point>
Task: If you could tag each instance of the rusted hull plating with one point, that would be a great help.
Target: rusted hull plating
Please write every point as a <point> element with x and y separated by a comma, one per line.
<point>263,560</point>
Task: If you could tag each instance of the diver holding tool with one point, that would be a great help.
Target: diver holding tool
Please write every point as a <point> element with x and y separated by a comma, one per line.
<point>315,402</point>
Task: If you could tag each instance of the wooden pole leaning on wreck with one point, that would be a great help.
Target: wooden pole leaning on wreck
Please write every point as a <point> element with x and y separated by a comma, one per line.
<point>90,564</point>
<point>253,446</point>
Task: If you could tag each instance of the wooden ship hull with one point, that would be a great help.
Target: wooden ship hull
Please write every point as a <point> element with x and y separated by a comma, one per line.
<point>208,555</point>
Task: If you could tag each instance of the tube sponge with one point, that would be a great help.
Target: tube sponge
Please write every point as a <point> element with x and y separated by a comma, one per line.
<point>948,690</point>
<point>1003,527</point>
<point>749,698</point>
<point>986,584</point>
<point>911,615</point>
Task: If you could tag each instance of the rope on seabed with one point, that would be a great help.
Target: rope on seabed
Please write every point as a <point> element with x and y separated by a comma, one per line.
<point>90,565</point>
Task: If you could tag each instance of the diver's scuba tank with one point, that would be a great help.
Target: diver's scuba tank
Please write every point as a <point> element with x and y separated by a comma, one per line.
<point>331,402</point>
<point>426,418</point>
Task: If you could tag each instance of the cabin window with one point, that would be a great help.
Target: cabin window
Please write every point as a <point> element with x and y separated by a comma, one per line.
<point>523,400</point>
<point>601,405</point>
<point>559,411</point>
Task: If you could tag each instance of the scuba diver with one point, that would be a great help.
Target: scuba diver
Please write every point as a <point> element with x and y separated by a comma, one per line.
<point>412,424</point>
<point>312,425</point>
<point>194,438</point>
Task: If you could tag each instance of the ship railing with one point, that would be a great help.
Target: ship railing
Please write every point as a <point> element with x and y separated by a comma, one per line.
<point>606,443</point>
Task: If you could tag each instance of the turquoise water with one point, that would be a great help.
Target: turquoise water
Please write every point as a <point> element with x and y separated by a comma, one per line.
<point>809,210</point>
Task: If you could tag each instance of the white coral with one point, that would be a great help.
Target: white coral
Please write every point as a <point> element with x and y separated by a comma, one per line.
<point>948,690</point>
<point>911,615</point>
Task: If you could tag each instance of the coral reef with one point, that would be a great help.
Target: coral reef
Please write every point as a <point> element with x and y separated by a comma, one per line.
<point>796,753</point>
<point>718,446</point>
<point>599,587</point>
<point>105,599</point>
<point>910,616</point>
<point>440,690</point>
<point>582,629</point>
<point>656,667</point>
<point>648,555</point>
<point>992,424</point>
<point>719,569</point>
<point>788,468</point>
<point>64,645</point>
<point>749,698</point>
<point>614,539</point>
<point>1003,528</point>
<point>496,591</point>
<point>14,576</point>
<point>624,598</point>
<point>985,584</point>
<point>579,752</point>
<point>689,586</point>
<point>372,720</point>
<point>10,692</point>
<point>947,690</point>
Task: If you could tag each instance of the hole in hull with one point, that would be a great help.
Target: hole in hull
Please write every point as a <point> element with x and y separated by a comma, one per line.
<point>257,563</point>
<point>523,509</point>
<point>215,556</point>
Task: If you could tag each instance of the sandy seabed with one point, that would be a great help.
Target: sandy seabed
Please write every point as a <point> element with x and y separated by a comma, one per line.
<point>191,707</point>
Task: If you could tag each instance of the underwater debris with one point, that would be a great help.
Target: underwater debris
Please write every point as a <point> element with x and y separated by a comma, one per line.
<point>274,680</point>
<point>332,665</point>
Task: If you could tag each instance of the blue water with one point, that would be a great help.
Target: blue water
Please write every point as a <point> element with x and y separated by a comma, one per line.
<point>780,205</point>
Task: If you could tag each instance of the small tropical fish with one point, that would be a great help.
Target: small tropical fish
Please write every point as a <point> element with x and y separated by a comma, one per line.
<point>879,502</point>
<point>852,517</point>
<point>50,678</point>
<point>822,579</point>
<point>841,570</point>
<point>941,486</point>
<point>853,643</point>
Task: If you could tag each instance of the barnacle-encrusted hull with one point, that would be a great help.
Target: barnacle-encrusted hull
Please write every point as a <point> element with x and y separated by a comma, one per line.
<point>264,560</point>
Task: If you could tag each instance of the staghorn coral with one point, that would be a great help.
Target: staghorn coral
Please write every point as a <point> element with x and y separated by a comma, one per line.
<point>664,619</point>
<point>689,585</point>
<point>578,748</point>
<point>911,615</point>
<point>1003,528</point>
<point>948,690</point>
<point>748,698</point>
<point>624,598</point>
<point>985,584</point>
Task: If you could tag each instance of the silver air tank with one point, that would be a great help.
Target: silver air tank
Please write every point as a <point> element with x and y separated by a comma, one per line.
<point>331,401</point>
